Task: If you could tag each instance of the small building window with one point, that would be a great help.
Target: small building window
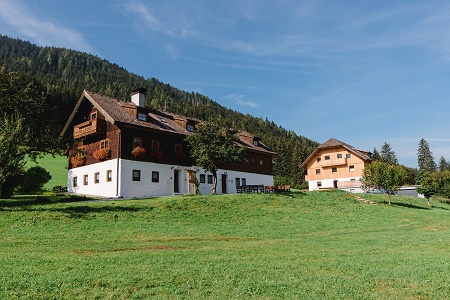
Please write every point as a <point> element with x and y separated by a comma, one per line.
<point>155,146</point>
<point>317,171</point>
<point>339,155</point>
<point>327,157</point>
<point>348,155</point>
<point>238,181</point>
<point>137,142</point>
<point>75,181</point>
<point>202,178</point>
<point>319,159</point>
<point>261,162</point>
<point>210,179</point>
<point>136,175</point>
<point>97,177</point>
<point>142,117</point>
<point>104,144</point>
<point>155,176</point>
<point>85,179</point>
<point>190,127</point>
<point>93,116</point>
<point>319,184</point>
<point>334,170</point>
<point>244,181</point>
<point>253,159</point>
<point>109,175</point>
<point>351,168</point>
<point>255,143</point>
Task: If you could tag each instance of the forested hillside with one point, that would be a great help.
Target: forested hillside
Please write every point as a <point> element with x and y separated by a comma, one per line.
<point>65,73</point>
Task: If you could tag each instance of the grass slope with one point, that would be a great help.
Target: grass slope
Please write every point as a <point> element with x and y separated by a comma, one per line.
<point>318,245</point>
<point>56,166</point>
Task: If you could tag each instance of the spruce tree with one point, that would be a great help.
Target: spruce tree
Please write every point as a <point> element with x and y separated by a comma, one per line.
<point>388,155</point>
<point>425,159</point>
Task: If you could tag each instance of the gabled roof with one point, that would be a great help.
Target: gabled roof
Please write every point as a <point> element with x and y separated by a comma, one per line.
<point>115,112</point>
<point>333,143</point>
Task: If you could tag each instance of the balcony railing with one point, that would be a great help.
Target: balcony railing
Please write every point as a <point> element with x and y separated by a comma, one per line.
<point>97,126</point>
<point>333,162</point>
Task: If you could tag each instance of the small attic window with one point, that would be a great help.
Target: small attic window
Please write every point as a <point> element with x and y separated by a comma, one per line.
<point>93,116</point>
<point>142,117</point>
<point>162,120</point>
<point>255,143</point>
<point>190,127</point>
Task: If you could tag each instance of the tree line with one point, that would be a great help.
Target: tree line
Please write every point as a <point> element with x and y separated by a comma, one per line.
<point>46,82</point>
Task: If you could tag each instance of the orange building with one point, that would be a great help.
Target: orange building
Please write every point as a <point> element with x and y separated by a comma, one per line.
<point>335,164</point>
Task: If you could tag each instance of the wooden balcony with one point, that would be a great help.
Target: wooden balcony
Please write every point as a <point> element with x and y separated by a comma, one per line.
<point>92,127</point>
<point>333,162</point>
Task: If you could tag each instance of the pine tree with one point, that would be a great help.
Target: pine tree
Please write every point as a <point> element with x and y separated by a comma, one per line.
<point>443,164</point>
<point>375,154</point>
<point>388,155</point>
<point>425,159</point>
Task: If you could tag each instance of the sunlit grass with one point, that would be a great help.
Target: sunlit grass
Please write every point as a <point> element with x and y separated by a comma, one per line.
<point>319,245</point>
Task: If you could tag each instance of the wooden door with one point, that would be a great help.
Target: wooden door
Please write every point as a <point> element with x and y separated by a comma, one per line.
<point>175,181</point>
<point>224,183</point>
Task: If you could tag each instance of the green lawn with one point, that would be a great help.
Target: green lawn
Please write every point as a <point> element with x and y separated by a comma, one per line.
<point>56,166</point>
<point>315,245</point>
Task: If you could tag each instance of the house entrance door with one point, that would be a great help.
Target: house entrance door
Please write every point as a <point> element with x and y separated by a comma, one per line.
<point>224,183</point>
<point>335,184</point>
<point>176,176</point>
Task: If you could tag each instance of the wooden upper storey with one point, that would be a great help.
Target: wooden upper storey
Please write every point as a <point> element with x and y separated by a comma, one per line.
<point>335,159</point>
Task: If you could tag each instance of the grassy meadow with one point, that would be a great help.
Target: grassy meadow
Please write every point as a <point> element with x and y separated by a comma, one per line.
<point>315,245</point>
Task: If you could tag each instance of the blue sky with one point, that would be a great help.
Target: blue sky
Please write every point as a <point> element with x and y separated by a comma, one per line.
<point>364,72</point>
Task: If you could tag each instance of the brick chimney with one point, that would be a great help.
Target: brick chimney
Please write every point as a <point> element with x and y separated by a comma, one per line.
<point>138,96</point>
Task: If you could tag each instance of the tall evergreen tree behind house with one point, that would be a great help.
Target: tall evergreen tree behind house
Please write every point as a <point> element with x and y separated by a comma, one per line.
<point>443,164</point>
<point>376,155</point>
<point>387,154</point>
<point>425,158</point>
<point>66,73</point>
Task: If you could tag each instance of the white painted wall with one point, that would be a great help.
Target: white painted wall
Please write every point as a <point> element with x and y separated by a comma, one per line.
<point>127,188</point>
<point>103,188</point>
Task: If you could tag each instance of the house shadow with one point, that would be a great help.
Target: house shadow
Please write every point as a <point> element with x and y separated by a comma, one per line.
<point>407,205</point>
<point>77,212</point>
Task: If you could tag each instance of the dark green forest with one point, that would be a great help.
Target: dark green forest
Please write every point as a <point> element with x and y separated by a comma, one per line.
<point>60,75</point>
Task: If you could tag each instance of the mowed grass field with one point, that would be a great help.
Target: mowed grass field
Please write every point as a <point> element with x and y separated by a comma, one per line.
<point>56,166</point>
<point>315,245</point>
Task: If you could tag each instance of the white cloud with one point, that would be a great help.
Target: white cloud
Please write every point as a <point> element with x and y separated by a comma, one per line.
<point>42,32</point>
<point>240,100</point>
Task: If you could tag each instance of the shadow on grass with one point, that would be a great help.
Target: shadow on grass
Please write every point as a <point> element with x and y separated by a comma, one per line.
<point>407,205</point>
<point>77,212</point>
<point>30,200</point>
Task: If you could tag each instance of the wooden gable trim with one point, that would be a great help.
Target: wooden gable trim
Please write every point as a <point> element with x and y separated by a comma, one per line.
<point>86,95</point>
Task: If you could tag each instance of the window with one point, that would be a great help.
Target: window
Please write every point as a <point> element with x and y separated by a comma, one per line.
<point>155,146</point>
<point>319,159</point>
<point>339,155</point>
<point>178,149</point>
<point>210,179</point>
<point>202,178</point>
<point>109,175</point>
<point>255,143</point>
<point>351,168</point>
<point>75,181</point>
<point>97,177</point>
<point>317,171</point>
<point>142,117</point>
<point>137,141</point>
<point>348,155</point>
<point>190,127</point>
<point>136,175</point>
<point>334,170</point>
<point>85,179</point>
<point>261,162</point>
<point>327,157</point>
<point>238,181</point>
<point>104,144</point>
<point>244,181</point>
<point>319,184</point>
<point>94,116</point>
<point>253,159</point>
<point>155,176</point>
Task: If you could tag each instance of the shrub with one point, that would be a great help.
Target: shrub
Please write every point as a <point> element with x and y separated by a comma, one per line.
<point>33,180</point>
